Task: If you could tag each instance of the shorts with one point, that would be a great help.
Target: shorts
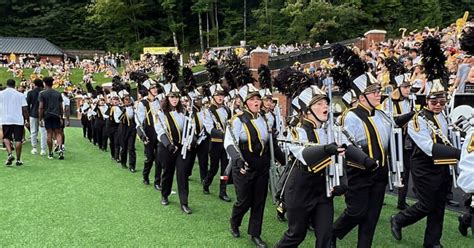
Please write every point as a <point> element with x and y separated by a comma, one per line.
<point>13,132</point>
<point>52,122</point>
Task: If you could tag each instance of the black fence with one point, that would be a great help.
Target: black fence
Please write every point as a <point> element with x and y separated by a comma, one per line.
<point>305,56</point>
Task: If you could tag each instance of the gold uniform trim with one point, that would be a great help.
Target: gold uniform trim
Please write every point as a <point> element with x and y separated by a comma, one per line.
<point>249,142</point>
<point>358,166</point>
<point>416,125</point>
<point>445,161</point>
<point>177,127</point>
<point>216,140</point>
<point>379,141</point>
<point>470,147</point>
<point>258,135</point>
<point>320,166</point>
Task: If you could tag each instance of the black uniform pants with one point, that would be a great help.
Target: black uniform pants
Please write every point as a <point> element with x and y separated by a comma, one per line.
<point>172,162</point>
<point>402,192</point>
<point>114,144</point>
<point>306,201</point>
<point>217,154</point>
<point>251,191</point>
<point>432,190</point>
<point>364,200</point>
<point>151,156</point>
<point>202,153</point>
<point>127,145</point>
<point>99,131</point>
<point>86,127</point>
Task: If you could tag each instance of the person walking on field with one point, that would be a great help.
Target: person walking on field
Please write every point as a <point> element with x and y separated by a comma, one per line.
<point>14,116</point>
<point>50,116</point>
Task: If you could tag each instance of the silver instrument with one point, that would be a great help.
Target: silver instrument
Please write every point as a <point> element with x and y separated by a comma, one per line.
<point>439,133</point>
<point>335,170</point>
<point>188,131</point>
<point>396,148</point>
<point>273,170</point>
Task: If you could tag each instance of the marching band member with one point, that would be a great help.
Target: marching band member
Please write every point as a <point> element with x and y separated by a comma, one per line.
<point>215,124</point>
<point>112,124</point>
<point>305,189</point>
<point>100,134</point>
<point>201,147</point>
<point>246,143</point>
<point>169,125</point>
<point>86,126</point>
<point>466,179</point>
<point>431,155</point>
<point>401,104</point>
<point>128,132</point>
<point>147,108</point>
<point>367,176</point>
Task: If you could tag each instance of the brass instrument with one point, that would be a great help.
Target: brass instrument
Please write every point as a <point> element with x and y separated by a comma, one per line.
<point>403,30</point>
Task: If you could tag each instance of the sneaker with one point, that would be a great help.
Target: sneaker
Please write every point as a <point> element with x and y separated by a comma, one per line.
<point>9,159</point>
<point>19,163</point>
<point>50,155</point>
<point>61,155</point>
<point>34,151</point>
<point>43,152</point>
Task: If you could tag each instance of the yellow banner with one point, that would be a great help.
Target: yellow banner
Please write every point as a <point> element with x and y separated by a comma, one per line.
<point>159,50</point>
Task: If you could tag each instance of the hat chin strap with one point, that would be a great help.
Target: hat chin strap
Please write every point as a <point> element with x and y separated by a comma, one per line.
<point>368,102</point>
<point>315,116</point>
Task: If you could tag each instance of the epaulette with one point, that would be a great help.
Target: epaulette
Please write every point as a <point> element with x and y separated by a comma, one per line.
<point>416,125</point>
<point>294,133</point>
<point>235,116</point>
<point>470,147</point>
<point>344,115</point>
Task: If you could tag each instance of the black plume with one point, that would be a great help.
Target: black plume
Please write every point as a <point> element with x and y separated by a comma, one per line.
<point>265,77</point>
<point>291,82</point>
<point>89,87</point>
<point>349,61</point>
<point>170,68</point>
<point>189,81</point>
<point>213,72</point>
<point>434,60</point>
<point>341,79</point>
<point>117,84</point>
<point>467,41</point>
<point>229,78</point>
<point>395,68</point>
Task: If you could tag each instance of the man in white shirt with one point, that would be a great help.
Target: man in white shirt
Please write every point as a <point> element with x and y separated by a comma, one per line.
<point>14,116</point>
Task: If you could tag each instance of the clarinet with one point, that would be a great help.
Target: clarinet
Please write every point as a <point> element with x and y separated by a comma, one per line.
<point>439,133</point>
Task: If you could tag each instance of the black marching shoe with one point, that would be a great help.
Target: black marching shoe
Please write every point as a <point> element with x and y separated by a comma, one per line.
<point>124,166</point>
<point>395,228</point>
<point>164,201</point>
<point>433,246</point>
<point>132,170</point>
<point>223,196</point>
<point>462,227</point>
<point>205,190</point>
<point>402,205</point>
<point>158,187</point>
<point>146,182</point>
<point>186,209</point>
<point>234,230</point>
<point>281,216</point>
<point>258,242</point>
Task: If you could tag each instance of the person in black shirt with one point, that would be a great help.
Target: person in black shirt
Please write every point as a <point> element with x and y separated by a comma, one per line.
<point>33,104</point>
<point>50,113</point>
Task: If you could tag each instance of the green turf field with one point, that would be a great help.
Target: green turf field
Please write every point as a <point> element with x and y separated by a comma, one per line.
<point>88,200</point>
<point>76,76</point>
